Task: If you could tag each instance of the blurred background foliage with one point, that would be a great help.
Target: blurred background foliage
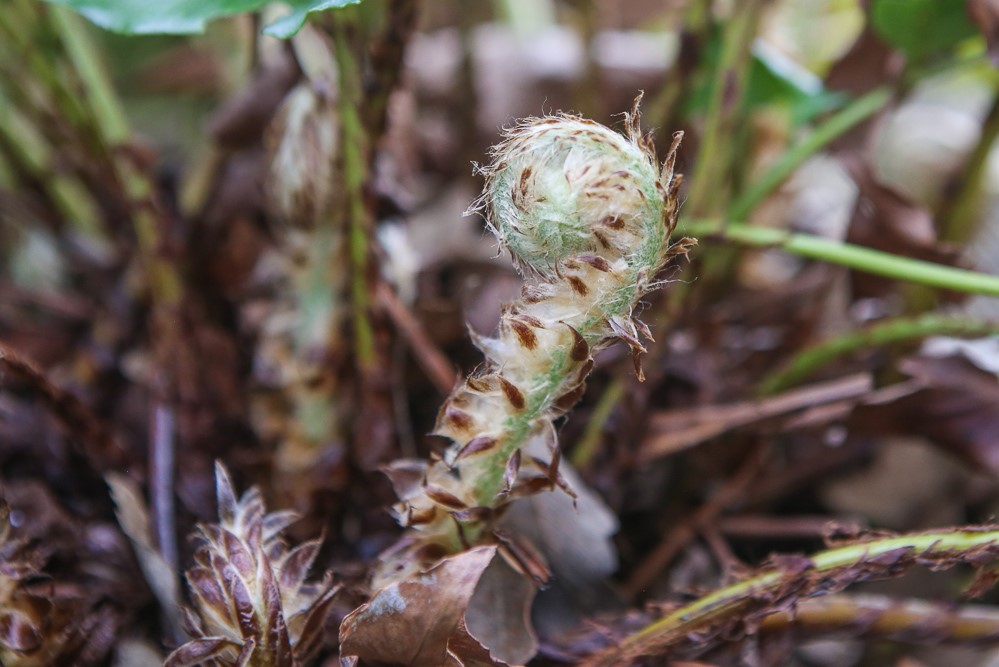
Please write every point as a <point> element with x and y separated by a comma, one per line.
<point>189,273</point>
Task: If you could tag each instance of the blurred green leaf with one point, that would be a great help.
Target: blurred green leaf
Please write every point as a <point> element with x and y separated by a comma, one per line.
<point>772,80</point>
<point>922,28</point>
<point>178,17</point>
<point>288,25</point>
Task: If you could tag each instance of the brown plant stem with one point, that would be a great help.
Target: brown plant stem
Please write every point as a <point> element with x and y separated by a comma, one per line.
<point>374,432</point>
<point>681,535</point>
<point>387,51</point>
<point>77,420</point>
<point>162,462</point>
<point>676,430</point>
<point>959,211</point>
<point>908,620</point>
<point>440,371</point>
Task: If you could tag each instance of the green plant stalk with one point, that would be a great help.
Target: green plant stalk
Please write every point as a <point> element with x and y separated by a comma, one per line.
<point>848,255</point>
<point>773,588</point>
<point>715,170</point>
<point>855,113</point>
<point>836,126</point>
<point>695,22</point>
<point>104,105</point>
<point>165,282</point>
<point>898,330</point>
<point>91,122</point>
<point>20,21</point>
<point>34,158</point>
<point>958,216</point>
<point>355,151</point>
<point>707,189</point>
<point>589,443</point>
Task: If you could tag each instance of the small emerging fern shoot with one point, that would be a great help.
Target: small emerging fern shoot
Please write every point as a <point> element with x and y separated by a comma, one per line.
<point>252,603</point>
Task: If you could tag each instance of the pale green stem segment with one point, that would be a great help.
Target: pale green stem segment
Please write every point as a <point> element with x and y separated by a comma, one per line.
<point>848,255</point>
<point>103,101</point>
<point>589,443</point>
<point>539,402</point>
<point>897,330</point>
<point>729,602</point>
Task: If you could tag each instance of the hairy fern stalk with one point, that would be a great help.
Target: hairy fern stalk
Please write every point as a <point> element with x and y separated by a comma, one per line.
<point>586,214</point>
<point>295,404</point>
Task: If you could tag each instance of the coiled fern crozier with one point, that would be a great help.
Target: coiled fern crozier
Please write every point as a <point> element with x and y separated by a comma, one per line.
<point>587,215</point>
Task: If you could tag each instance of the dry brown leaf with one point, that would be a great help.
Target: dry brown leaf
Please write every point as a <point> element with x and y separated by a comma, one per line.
<point>573,534</point>
<point>499,613</point>
<point>469,609</point>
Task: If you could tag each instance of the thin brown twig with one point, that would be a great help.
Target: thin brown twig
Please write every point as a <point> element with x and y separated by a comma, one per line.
<point>723,553</point>
<point>435,363</point>
<point>686,530</point>
<point>386,52</point>
<point>912,621</point>
<point>783,527</point>
<point>162,462</point>
<point>677,430</point>
<point>80,423</point>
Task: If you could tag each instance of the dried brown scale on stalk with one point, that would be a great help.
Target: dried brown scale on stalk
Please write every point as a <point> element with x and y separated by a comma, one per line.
<point>586,213</point>
<point>252,603</point>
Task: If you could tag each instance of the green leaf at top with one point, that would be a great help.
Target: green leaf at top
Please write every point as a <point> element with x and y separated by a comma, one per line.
<point>922,28</point>
<point>288,25</point>
<point>180,17</point>
<point>769,82</point>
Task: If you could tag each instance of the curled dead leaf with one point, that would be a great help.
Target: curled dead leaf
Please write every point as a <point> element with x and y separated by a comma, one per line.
<point>469,609</point>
